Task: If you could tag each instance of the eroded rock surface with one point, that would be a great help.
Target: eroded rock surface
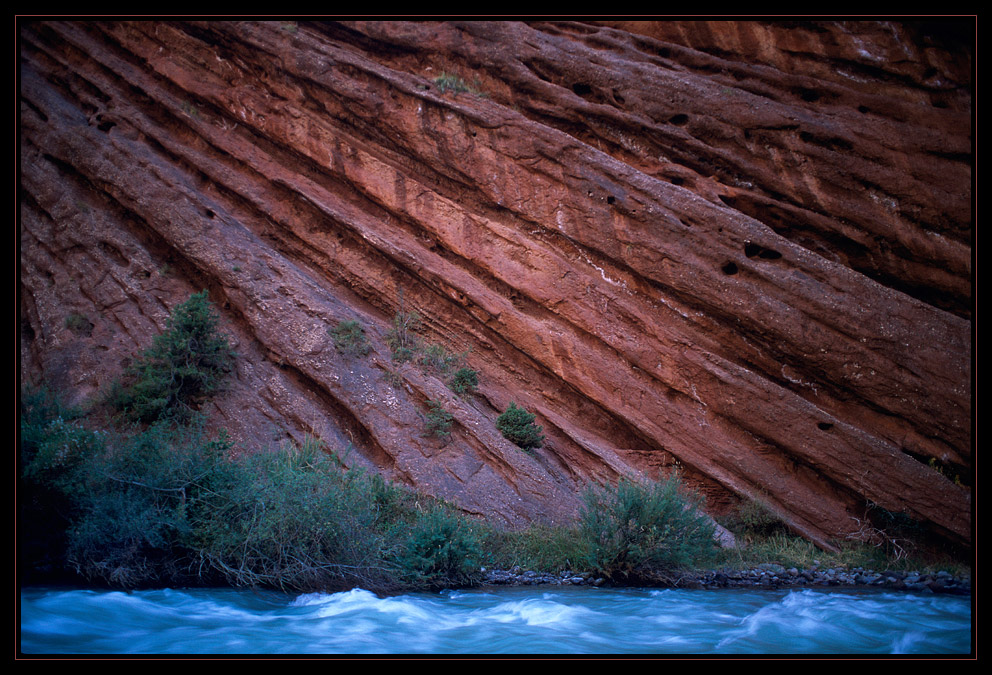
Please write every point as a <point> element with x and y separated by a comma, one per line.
<point>742,249</point>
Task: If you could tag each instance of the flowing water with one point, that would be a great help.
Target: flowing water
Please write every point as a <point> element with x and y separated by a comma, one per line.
<point>502,621</point>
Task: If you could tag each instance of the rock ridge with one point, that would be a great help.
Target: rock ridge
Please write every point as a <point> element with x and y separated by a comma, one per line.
<point>741,250</point>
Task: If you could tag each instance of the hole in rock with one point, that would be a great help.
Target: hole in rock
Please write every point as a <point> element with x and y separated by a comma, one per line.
<point>679,120</point>
<point>581,89</point>
<point>611,199</point>
<point>751,250</point>
<point>730,268</point>
<point>825,426</point>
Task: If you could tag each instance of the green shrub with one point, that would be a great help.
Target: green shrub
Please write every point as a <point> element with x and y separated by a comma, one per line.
<point>293,519</point>
<point>440,550</point>
<point>166,504</point>
<point>184,366</point>
<point>464,382</point>
<point>644,529</point>
<point>438,421</point>
<point>53,442</point>
<point>296,520</point>
<point>56,451</point>
<point>517,425</point>
<point>349,338</point>
<point>137,501</point>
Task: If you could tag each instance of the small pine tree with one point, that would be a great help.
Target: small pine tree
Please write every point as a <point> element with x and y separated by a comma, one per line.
<point>438,421</point>
<point>517,425</point>
<point>465,381</point>
<point>184,365</point>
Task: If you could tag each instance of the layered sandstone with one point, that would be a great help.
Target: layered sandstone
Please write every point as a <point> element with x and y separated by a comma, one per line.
<point>742,249</point>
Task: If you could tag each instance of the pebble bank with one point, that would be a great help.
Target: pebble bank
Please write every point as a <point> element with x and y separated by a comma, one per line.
<point>769,576</point>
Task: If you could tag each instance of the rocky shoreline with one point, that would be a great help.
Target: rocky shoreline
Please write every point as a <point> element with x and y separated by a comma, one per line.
<point>766,576</point>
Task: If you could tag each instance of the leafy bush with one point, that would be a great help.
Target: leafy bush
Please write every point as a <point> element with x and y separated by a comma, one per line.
<point>438,421</point>
<point>440,550</point>
<point>166,504</point>
<point>464,382</point>
<point>136,502</point>
<point>517,425</point>
<point>296,520</point>
<point>53,441</point>
<point>644,530</point>
<point>349,338</point>
<point>184,365</point>
<point>291,518</point>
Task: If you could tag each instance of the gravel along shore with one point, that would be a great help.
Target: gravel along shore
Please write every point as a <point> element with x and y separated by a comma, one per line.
<point>763,576</point>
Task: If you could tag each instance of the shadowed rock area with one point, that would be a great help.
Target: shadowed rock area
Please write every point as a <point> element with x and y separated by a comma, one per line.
<point>740,249</point>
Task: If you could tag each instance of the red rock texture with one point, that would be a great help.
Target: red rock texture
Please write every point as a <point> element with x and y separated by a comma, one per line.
<point>739,248</point>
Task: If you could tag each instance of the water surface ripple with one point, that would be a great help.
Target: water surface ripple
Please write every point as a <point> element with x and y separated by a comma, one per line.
<point>503,621</point>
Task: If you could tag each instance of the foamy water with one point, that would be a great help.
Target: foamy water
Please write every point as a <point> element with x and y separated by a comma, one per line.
<point>504,621</point>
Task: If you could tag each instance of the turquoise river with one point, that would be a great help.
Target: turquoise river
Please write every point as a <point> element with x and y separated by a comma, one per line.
<point>528,620</point>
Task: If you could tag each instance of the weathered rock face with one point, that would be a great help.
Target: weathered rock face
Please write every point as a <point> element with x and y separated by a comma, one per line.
<point>743,249</point>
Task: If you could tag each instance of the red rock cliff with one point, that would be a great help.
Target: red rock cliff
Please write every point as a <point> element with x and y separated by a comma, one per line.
<point>741,248</point>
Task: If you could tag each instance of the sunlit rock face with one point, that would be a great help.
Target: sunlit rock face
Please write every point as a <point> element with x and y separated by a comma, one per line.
<point>741,250</point>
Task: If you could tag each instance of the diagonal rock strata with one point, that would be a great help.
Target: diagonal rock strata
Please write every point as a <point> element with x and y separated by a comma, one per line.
<point>675,254</point>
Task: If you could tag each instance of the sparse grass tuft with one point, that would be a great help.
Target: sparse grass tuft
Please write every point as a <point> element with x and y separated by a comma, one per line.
<point>402,338</point>
<point>349,338</point>
<point>439,359</point>
<point>446,82</point>
<point>539,547</point>
<point>79,324</point>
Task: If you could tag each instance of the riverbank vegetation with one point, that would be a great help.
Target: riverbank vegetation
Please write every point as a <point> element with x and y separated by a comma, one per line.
<point>151,497</point>
<point>170,504</point>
